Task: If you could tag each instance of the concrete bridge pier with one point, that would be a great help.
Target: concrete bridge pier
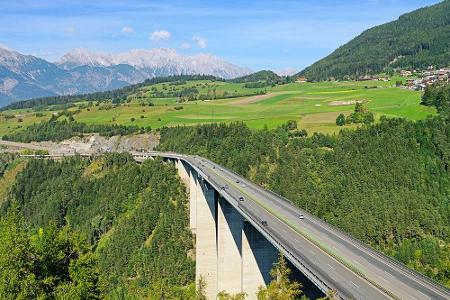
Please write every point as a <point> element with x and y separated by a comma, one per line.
<point>229,236</point>
<point>231,255</point>
<point>183,171</point>
<point>258,258</point>
<point>206,237</point>
<point>193,183</point>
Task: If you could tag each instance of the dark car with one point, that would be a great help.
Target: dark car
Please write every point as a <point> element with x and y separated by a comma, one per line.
<point>241,198</point>
<point>264,223</point>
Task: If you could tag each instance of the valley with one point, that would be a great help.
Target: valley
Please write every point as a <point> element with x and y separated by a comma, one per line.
<point>142,158</point>
<point>314,106</point>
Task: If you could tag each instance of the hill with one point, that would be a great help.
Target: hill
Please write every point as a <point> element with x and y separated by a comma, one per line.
<point>118,231</point>
<point>375,183</point>
<point>416,40</point>
<point>115,95</point>
<point>181,100</point>
<point>264,75</point>
<point>81,71</point>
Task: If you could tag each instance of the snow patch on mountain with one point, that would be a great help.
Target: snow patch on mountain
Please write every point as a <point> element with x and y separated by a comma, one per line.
<point>155,62</point>
<point>82,71</point>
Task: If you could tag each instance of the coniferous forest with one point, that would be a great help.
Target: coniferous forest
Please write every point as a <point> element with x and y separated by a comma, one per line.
<point>415,41</point>
<point>386,184</point>
<point>99,228</point>
<point>107,227</point>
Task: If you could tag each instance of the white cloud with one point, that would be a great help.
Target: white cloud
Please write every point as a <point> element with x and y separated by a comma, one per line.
<point>185,46</point>
<point>200,41</point>
<point>3,46</point>
<point>70,29</point>
<point>160,35</point>
<point>127,30</point>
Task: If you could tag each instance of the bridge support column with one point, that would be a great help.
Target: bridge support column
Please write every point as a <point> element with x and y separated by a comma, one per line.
<point>183,171</point>
<point>258,257</point>
<point>229,236</point>
<point>206,241</point>
<point>193,182</point>
<point>231,255</point>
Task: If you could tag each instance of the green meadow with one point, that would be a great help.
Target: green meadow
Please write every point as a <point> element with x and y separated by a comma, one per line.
<point>314,106</point>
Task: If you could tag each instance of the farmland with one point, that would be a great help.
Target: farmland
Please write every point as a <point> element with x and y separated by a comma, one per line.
<point>314,106</point>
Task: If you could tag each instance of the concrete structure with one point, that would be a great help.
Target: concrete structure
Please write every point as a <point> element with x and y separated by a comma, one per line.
<point>258,257</point>
<point>206,237</point>
<point>329,258</point>
<point>231,255</point>
<point>229,240</point>
<point>193,200</point>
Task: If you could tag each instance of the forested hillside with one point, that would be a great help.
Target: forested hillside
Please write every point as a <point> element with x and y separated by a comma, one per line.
<point>100,228</point>
<point>437,95</point>
<point>416,40</point>
<point>265,75</point>
<point>54,130</point>
<point>387,184</point>
<point>115,96</point>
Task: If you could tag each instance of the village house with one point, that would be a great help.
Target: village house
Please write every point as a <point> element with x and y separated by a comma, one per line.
<point>405,73</point>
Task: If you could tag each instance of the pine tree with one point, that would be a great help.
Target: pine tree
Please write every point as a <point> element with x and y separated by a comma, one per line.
<point>281,287</point>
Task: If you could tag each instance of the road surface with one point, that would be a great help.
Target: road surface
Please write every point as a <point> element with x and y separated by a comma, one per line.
<point>340,262</point>
<point>329,257</point>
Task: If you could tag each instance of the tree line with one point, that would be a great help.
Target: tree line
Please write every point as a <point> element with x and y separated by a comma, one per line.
<point>56,131</point>
<point>116,96</point>
<point>437,95</point>
<point>386,184</point>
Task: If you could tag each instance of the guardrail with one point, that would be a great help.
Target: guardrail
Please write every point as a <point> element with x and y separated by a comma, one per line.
<point>389,261</point>
<point>307,271</point>
<point>288,204</point>
<point>357,243</point>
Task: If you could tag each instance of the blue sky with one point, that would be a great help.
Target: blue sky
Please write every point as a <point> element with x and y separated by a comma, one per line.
<point>256,34</point>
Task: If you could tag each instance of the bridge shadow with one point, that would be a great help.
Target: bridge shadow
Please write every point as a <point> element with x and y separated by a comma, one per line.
<point>308,288</point>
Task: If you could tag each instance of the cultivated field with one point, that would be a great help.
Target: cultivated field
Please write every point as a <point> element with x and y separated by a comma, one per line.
<point>314,106</point>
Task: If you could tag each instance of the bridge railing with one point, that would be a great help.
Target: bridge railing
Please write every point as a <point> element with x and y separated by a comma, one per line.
<point>343,235</point>
<point>280,246</point>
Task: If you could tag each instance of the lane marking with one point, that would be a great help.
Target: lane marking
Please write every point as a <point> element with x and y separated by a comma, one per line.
<point>295,228</point>
<point>354,284</point>
<point>384,279</point>
<point>330,266</point>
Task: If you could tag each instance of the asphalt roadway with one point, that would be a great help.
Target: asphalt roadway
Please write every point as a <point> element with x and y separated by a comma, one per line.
<point>329,257</point>
<point>336,260</point>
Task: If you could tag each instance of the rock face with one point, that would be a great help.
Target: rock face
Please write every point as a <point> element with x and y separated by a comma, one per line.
<point>81,71</point>
<point>154,62</point>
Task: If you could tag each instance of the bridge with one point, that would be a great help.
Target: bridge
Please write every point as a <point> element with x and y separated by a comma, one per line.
<point>240,228</point>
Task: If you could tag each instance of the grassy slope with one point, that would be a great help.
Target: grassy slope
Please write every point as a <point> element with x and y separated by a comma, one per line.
<point>308,103</point>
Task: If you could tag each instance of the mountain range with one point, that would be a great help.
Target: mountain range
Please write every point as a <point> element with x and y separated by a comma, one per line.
<point>81,71</point>
<point>415,41</point>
